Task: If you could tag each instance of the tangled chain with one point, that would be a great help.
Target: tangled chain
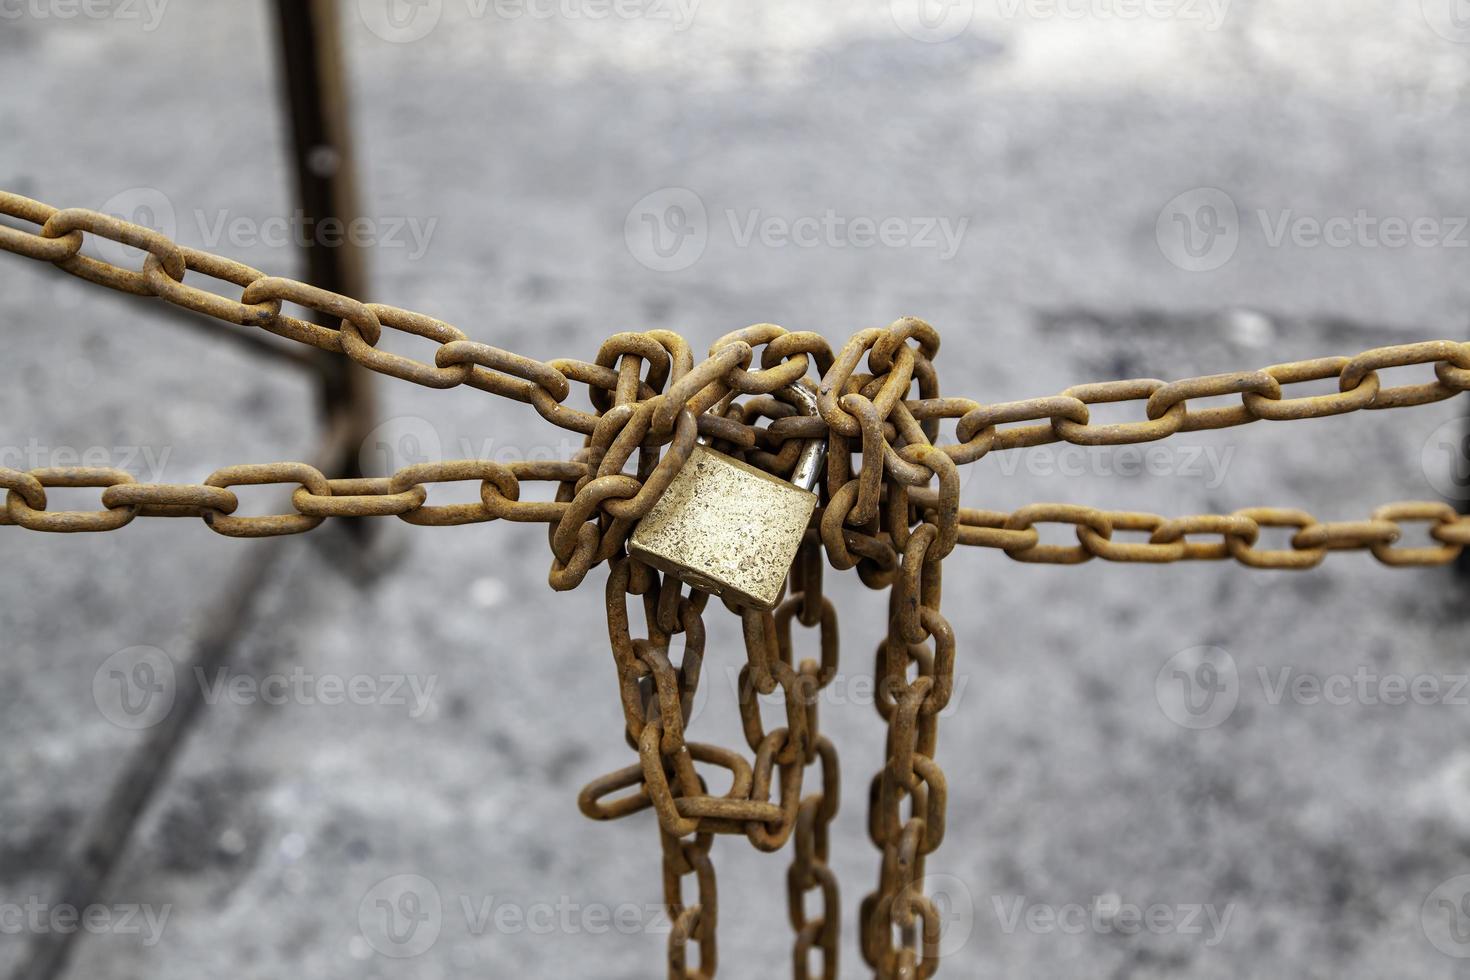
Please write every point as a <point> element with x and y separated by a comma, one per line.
<point>658,698</point>
<point>896,545</point>
<point>889,507</point>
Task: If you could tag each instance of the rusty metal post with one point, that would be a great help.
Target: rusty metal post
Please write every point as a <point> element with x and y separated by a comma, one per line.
<point>314,87</point>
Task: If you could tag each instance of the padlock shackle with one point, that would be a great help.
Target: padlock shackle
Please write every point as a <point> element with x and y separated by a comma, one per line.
<point>813,458</point>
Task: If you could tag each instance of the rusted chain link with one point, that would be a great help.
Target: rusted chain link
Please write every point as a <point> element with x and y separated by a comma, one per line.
<point>404,495</point>
<point>1065,417</point>
<point>869,522</point>
<point>671,403</point>
<point>1169,539</point>
<point>980,428</point>
<point>809,872</point>
<point>314,497</point>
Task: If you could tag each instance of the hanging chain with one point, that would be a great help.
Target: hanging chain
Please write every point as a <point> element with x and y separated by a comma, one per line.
<point>658,699</point>
<point>889,507</point>
<point>809,873</point>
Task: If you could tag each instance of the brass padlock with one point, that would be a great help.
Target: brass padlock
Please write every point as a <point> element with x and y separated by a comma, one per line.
<point>728,528</point>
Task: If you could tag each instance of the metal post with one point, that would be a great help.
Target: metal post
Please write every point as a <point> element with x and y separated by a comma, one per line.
<point>314,87</point>
<point>315,94</point>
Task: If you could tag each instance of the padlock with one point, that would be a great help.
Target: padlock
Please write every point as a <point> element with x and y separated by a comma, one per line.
<point>727,528</point>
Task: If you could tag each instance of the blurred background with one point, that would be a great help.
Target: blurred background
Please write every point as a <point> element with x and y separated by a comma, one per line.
<point>1073,191</point>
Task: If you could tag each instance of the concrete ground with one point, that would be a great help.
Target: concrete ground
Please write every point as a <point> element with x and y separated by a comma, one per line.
<point>1286,834</point>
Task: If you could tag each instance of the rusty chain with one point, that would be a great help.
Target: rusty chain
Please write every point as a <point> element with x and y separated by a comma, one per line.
<point>854,407</point>
<point>658,698</point>
<point>889,507</point>
<point>404,495</point>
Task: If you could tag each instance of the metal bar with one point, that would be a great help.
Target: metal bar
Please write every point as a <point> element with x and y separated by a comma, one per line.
<point>314,90</point>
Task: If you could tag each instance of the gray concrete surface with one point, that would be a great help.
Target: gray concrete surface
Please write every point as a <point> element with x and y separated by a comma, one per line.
<point>1323,831</point>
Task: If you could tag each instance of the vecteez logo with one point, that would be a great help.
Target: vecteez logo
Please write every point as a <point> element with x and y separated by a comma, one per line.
<point>1106,915</point>
<point>1210,14</point>
<point>406,21</point>
<point>399,442</point>
<point>1201,687</point>
<point>1198,688</point>
<point>932,21</point>
<point>401,917</point>
<point>146,206</point>
<point>1199,230</point>
<point>667,230</point>
<point>954,906</point>
<point>135,688</point>
<point>1450,19</point>
<point>1445,459</point>
<point>147,13</point>
<point>401,21</point>
<point>1445,917</point>
<point>404,916</point>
